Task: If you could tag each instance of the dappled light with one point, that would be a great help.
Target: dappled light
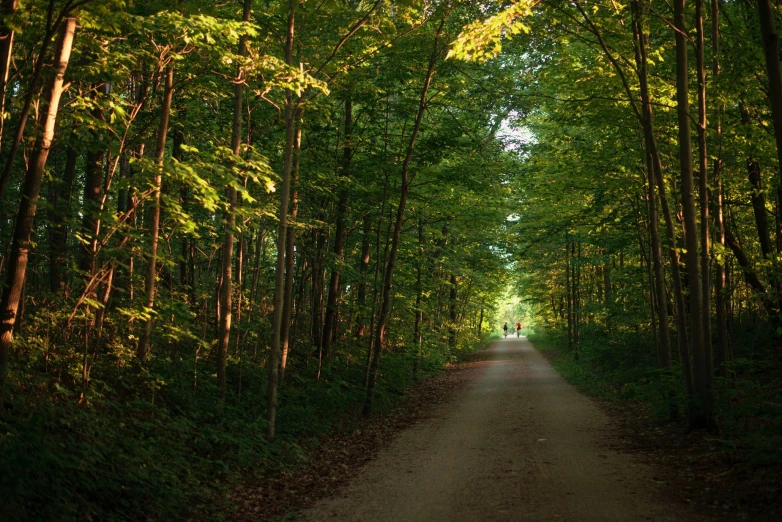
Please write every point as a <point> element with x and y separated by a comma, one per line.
<point>235,236</point>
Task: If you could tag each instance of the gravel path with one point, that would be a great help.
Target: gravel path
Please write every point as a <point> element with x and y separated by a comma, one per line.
<point>519,444</point>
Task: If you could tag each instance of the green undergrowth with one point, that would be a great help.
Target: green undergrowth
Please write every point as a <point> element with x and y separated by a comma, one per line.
<point>610,367</point>
<point>622,366</point>
<point>117,453</point>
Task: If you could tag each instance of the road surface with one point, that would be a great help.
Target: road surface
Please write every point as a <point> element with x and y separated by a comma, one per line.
<point>518,444</point>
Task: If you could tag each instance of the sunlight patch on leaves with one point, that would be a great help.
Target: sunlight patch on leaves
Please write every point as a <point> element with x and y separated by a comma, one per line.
<point>482,40</point>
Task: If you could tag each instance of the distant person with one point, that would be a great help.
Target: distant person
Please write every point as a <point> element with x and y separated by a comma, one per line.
<point>505,329</point>
<point>518,329</point>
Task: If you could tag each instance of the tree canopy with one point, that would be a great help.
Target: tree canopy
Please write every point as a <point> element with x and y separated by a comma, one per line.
<point>224,225</point>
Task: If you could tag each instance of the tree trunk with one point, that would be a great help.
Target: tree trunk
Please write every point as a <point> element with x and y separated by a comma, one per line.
<point>703,193</point>
<point>379,265</point>
<point>701,413</point>
<point>657,173</point>
<point>569,290</point>
<point>290,265</point>
<point>770,38</point>
<point>419,291</point>
<point>361,303</point>
<point>750,277</point>
<point>339,233</point>
<point>720,280</point>
<point>226,287</point>
<point>154,222</point>
<point>452,313</point>
<point>273,364</point>
<point>575,283</point>
<point>7,10</point>
<point>759,207</point>
<point>93,195</point>
<point>60,215</point>
<point>17,261</point>
<point>659,273</point>
<point>380,329</point>
<point>660,299</point>
<point>32,88</point>
<point>319,245</point>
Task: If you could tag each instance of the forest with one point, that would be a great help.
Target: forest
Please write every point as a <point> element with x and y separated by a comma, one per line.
<point>225,226</point>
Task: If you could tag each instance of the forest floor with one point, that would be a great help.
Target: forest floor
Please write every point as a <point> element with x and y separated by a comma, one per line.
<point>504,437</point>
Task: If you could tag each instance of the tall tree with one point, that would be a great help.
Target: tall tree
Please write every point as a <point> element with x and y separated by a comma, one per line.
<point>329,323</point>
<point>154,220</point>
<point>273,363</point>
<point>20,249</point>
<point>702,412</point>
<point>7,10</point>
<point>404,188</point>
<point>226,285</point>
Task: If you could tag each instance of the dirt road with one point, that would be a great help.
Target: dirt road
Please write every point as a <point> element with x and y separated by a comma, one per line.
<point>518,444</point>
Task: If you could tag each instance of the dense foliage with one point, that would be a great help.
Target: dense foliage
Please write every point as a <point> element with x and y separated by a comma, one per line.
<point>225,224</point>
<point>605,256</point>
<point>139,351</point>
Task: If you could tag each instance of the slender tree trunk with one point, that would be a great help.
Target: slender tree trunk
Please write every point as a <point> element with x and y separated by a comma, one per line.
<point>750,277</point>
<point>703,191</point>
<point>385,307</point>
<point>575,281</point>
<point>154,222</point>
<point>569,290</point>
<point>652,294</point>
<point>770,38</point>
<point>17,261</point>
<point>656,248</point>
<point>379,265</point>
<point>290,265</point>
<point>658,290</point>
<point>240,254</point>
<point>7,11</point>
<point>319,246</point>
<point>259,249</point>
<point>128,201</point>
<point>659,273</point>
<point>452,313</point>
<point>607,294</point>
<point>298,303</point>
<point>759,207</point>
<point>32,88</point>
<point>339,233</point>
<point>657,173</point>
<point>61,214</point>
<point>701,414</point>
<point>273,364</point>
<point>720,280</point>
<point>361,303</point>
<point>226,287</point>
<point>419,292</point>
<point>720,285</point>
<point>93,195</point>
